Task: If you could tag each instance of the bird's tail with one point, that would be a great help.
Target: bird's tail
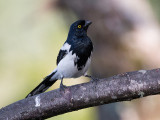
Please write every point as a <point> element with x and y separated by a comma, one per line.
<point>44,85</point>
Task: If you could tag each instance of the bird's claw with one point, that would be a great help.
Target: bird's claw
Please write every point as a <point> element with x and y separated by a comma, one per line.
<point>62,87</point>
<point>92,78</point>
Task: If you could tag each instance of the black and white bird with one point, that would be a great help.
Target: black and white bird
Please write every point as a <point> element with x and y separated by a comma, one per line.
<point>73,59</point>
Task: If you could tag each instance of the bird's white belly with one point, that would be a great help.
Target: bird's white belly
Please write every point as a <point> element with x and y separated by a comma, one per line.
<point>67,68</point>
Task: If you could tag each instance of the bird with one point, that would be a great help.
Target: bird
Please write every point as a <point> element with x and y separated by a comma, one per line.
<point>73,60</point>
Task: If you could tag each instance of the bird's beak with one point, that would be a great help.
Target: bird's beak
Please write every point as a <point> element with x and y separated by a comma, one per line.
<point>87,23</point>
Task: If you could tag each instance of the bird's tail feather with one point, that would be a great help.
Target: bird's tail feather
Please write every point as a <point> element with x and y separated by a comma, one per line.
<point>43,86</point>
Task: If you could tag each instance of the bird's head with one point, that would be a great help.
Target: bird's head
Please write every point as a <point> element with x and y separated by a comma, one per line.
<point>79,28</point>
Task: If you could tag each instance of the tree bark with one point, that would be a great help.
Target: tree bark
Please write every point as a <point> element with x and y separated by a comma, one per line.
<point>121,87</point>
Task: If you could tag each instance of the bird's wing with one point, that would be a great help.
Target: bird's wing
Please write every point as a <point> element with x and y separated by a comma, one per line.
<point>63,52</point>
<point>61,55</point>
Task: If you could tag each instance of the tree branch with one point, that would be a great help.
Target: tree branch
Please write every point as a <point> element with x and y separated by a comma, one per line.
<point>121,87</point>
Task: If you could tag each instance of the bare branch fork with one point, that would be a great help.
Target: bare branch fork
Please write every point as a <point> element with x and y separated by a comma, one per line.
<point>121,87</point>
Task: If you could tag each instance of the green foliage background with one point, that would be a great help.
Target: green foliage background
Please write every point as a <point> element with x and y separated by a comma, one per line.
<point>31,35</point>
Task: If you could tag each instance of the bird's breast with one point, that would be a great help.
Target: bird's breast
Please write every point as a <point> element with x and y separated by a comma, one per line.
<point>68,69</point>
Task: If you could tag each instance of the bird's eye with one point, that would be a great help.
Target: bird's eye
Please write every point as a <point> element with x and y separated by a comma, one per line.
<point>79,26</point>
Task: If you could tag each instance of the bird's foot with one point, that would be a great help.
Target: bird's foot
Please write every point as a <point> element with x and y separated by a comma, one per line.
<point>92,78</point>
<point>62,87</point>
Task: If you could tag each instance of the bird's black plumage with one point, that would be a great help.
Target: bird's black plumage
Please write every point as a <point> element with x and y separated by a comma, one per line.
<point>81,45</point>
<point>43,86</point>
<point>61,55</point>
<point>73,59</point>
